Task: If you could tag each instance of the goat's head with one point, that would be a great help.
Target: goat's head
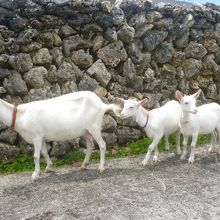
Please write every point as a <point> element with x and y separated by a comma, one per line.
<point>131,107</point>
<point>188,102</point>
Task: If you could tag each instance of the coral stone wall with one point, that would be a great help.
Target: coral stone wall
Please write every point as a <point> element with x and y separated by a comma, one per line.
<point>50,48</point>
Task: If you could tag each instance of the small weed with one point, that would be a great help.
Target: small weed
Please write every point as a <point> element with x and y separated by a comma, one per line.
<point>19,164</point>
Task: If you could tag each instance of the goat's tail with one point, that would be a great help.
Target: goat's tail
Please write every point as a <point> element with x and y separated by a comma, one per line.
<point>115,108</point>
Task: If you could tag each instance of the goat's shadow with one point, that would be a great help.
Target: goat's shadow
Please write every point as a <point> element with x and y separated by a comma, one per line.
<point>76,176</point>
<point>89,175</point>
<point>209,162</point>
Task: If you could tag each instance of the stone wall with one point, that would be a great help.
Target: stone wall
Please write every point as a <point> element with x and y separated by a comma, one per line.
<point>53,47</point>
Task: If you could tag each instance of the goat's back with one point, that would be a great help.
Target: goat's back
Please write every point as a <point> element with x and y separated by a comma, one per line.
<point>206,108</point>
<point>168,110</point>
<point>75,96</point>
<point>209,114</point>
<point>167,116</point>
<point>205,121</point>
<point>61,118</point>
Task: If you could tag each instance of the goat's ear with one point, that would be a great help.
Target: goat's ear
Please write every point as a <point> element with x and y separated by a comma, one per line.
<point>196,95</point>
<point>143,101</point>
<point>121,100</point>
<point>179,95</point>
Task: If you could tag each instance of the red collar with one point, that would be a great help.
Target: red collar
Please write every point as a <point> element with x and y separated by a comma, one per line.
<point>14,114</point>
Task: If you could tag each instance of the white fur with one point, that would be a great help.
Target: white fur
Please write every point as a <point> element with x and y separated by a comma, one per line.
<point>59,119</point>
<point>204,119</point>
<point>162,121</point>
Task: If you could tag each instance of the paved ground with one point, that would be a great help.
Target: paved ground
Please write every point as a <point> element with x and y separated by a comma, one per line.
<point>125,191</point>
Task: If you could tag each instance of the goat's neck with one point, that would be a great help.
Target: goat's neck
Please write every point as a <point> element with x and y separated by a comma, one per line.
<point>6,111</point>
<point>141,116</point>
<point>186,115</point>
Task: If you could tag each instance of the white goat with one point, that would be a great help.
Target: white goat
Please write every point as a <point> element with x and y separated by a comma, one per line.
<point>59,119</point>
<point>204,119</point>
<point>157,123</point>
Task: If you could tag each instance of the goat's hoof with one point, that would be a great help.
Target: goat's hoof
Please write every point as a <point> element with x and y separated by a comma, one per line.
<point>191,160</point>
<point>49,170</point>
<point>156,159</point>
<point>210,149</point>
<point>167,148</point>
<point>144,163</point>
<point>35,177</point>
<point>83,168</point>
<point>101,169</point>
<point>182,157</point>
<point>178,152</point>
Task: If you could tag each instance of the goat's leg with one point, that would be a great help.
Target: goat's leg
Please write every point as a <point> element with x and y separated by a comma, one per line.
<point>156,155</point>
<point>102,146</point>
<point>167,144</point>
<point>213,140</point>
<point>193,146</point>
<point>89,148</point>
<point>218,137</point>
<point>37,148</point>
<point>178,142</point>
<point>151,147</point>
<point>47,158</point>
<point>185,142</point>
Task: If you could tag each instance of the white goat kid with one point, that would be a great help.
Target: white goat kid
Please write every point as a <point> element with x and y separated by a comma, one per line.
<point>194,120</point>
<point>157,123</point>
<point>59,119</point>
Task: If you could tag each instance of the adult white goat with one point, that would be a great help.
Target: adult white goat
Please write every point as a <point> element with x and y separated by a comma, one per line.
<point>194,120</point>
<point>59,119</point>
<point>157,123</point>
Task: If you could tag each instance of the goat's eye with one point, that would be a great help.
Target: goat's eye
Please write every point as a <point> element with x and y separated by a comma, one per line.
<point>131,107</point>
<point>186,103</point>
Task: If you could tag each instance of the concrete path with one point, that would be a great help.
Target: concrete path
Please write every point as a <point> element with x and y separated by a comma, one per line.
<point>168,190</point>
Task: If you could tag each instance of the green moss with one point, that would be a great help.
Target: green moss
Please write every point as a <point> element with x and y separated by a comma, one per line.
<point>25,163</point>
<point>19,164</point>
<point>204,139</point>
